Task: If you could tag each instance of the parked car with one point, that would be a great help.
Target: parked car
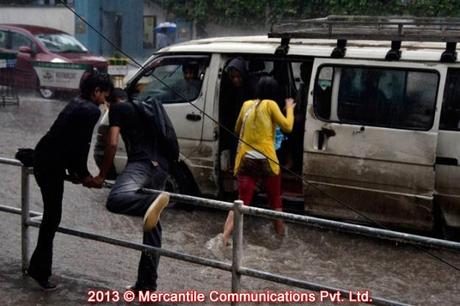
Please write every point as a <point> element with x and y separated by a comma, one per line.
<point>379,129</point>
<point>44,45</point>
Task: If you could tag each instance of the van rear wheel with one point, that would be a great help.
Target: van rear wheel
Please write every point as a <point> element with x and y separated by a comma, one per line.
<point>441,229</point>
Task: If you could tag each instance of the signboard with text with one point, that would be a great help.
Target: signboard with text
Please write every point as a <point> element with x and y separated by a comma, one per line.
<point>60,75</point>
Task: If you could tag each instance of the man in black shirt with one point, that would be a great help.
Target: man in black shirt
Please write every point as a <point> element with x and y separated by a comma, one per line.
<point>64,147</point>
<point>146,168</point>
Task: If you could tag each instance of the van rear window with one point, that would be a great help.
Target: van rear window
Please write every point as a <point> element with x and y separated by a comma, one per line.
<point>376,96</point>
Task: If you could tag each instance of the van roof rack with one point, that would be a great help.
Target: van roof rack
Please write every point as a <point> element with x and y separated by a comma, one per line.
<point>397,28</point>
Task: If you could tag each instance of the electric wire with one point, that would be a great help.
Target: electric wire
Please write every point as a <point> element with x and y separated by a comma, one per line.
<point>304,182</point>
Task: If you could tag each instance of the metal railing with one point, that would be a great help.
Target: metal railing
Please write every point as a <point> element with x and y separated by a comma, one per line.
<point>401,28</point>
<point>29,218</point>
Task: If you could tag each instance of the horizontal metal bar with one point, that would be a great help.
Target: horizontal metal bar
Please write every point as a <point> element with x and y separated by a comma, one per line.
<point>317,222</point>
<point>141,247</point>
<point>354,229</point>
<point>371,28</point>
<point>17,211</point>
<point>416,37</point>
<point>322,223</point>
<point>194,200</point>
<point>10,161</point>
<point>311,286</point>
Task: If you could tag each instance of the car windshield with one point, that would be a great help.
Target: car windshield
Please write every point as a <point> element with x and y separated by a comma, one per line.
<point>61,43</point>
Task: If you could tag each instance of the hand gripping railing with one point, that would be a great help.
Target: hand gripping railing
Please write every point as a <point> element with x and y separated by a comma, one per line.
<point>236,267</point>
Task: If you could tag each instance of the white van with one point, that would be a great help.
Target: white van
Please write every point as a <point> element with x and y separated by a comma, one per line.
<point>379,119</point>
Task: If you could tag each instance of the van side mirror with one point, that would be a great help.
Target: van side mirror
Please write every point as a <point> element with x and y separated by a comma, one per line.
<point>26,49</point>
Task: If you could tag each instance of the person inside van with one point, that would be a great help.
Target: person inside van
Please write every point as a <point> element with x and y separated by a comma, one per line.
<point>189,86</point>
<point>237,88</point>
<point>256,157</point>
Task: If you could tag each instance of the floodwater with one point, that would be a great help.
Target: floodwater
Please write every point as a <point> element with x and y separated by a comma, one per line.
<point>386,269</point>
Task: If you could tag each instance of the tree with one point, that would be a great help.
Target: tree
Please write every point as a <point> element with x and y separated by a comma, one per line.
<point>270,11</point>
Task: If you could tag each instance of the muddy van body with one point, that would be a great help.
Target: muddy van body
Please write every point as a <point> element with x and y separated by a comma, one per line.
<point>377,141</point>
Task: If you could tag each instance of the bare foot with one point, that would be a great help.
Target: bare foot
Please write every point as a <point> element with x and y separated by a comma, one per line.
<point>279,227</point>
<point>225,240</point>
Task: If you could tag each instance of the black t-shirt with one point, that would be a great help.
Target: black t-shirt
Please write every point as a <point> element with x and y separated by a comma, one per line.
<point>139,143</point>
<point>66,145</point>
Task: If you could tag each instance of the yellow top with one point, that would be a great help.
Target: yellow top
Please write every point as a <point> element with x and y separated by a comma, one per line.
<point>259,130</point>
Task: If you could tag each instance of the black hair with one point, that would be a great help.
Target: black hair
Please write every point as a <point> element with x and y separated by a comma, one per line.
<point>92,81</point>
<point>190,66</point>
<point>116,95</point>
<point>237,63</point>
<point>268,88</point>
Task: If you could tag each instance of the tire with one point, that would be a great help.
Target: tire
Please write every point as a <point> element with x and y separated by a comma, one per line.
<point>180,181</point>
<point>441,229</point>
<point>46,93</point>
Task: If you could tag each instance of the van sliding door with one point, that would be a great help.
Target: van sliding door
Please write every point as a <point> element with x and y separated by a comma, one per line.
<point>371,136</point>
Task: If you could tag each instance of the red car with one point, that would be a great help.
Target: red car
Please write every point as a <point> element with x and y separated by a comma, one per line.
<point>45,45</point>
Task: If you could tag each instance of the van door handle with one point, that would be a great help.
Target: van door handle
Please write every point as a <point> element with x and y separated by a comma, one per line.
<point>450,161</point>
<point>193,117</point>
<point>322,136</point>
<point>327,132</point>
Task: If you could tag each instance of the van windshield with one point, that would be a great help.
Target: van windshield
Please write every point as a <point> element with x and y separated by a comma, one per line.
<point>61,43</point>
<point>173,79</point>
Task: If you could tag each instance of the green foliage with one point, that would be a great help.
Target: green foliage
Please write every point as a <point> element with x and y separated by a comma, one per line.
<point>252,12</point>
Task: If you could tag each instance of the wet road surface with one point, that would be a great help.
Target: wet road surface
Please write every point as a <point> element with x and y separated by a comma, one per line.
<point>393,271</point>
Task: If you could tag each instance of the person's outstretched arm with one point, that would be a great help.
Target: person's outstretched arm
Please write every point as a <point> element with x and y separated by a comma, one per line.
<point>285,123</point>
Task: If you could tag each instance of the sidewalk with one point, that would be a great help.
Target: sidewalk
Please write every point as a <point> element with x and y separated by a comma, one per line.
<point>17,289</point>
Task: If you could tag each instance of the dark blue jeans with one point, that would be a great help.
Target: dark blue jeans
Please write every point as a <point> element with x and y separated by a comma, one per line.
<point>126,198</point>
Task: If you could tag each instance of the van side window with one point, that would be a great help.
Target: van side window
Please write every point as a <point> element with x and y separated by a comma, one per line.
<point>172,79</point>
<point>323,93</point>
<point>377,96</point>
<point>450,114</point>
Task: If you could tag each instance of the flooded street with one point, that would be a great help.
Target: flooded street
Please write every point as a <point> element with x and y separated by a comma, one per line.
<point>388,270</point>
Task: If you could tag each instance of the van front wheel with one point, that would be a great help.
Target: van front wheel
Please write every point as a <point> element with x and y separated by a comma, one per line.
<point>46,93</point>
<point>179,181</point>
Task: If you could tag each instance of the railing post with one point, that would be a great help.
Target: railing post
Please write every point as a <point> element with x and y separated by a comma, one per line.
<point>24,218</point>
<point>237,245</point>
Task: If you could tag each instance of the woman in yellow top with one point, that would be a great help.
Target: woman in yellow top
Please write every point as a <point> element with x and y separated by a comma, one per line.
<point>256,156</point>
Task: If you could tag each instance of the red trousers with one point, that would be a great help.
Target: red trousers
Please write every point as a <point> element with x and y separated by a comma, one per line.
<point>272,184</point>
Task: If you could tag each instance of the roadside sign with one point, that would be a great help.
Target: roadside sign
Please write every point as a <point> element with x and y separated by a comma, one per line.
<point>60,75</point>
<point>118,70</point>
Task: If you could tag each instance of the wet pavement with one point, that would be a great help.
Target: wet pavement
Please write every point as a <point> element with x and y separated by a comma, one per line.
<point>389,270</point>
